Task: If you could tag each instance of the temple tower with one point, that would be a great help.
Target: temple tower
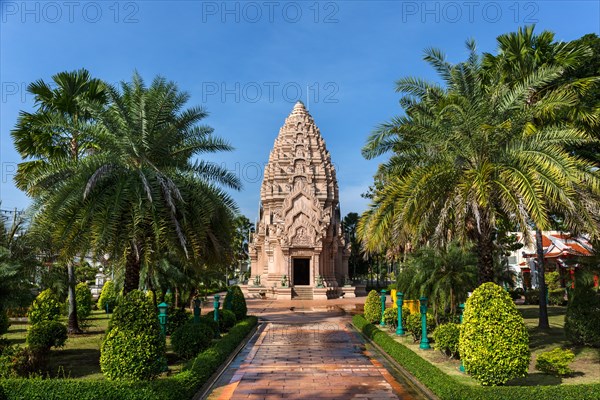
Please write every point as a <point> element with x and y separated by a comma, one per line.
<point>298,249</point>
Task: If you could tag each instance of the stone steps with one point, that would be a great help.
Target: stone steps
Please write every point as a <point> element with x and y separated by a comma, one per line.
<point>302,293</point>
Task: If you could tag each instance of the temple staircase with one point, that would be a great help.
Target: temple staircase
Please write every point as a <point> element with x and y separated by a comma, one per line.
<point>302,293</point>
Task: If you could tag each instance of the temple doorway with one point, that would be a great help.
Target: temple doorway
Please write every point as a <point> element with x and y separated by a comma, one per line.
<point>301,274</point>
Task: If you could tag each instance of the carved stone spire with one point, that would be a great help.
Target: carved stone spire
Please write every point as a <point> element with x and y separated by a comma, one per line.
<point>300,217</point>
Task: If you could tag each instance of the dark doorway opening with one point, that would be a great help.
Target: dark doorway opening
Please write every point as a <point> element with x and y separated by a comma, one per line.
<point>301,271</point>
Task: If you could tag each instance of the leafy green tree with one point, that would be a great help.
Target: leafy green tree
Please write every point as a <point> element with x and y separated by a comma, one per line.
<point>17,264</point>
<point>140,195</point>
<point>522,54</point>
<point>59,132</point>
<point>469,153</point>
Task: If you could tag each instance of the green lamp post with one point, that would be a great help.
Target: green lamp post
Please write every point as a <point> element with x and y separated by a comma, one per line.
<point>197,310</point>
<point>162,317</point>
<point>382,322</point>
<point>399,302</point>
<point>424,341</point>
<point>216,314</point>
<point>461,306</point>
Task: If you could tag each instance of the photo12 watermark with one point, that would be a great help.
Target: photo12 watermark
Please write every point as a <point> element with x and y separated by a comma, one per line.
<point>53,12</point>
<point>470,11</point>
<point>270,91</point>
<point>252,12</point>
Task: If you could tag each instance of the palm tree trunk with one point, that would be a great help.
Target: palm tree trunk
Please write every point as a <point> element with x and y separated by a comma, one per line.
<point>132,272</point>
<point>73,325</point>
<point>543,321</point>
<point>485,264</point>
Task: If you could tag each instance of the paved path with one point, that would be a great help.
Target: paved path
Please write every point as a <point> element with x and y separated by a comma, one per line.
<point>306,354</point>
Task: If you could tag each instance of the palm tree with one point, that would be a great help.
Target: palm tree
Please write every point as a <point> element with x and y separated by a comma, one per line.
<point>468,154</point>
<point>140,196</point>
<point>59,131</point>
<point>445,275</point>
<point>521,54</point>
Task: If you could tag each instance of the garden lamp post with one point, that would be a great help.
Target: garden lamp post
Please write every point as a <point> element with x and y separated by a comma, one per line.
<point>216,313</point>
<point>382,322</point>
<point>461,306</point>
<point>162,317</point>
<point>197,310</point>
<point>399,302</point>
<point>424,342</point>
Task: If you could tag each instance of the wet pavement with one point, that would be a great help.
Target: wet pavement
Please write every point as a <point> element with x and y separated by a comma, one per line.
<point>307,350</point>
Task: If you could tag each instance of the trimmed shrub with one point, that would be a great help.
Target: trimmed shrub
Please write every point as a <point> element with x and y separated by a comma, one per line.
<point>494,342</point>
<point>582,321</point>
<point>134,348</point>
<point>176,317</point>
<point>190,339</point>
<point>108,296</point>
<point>555,362</point>
<point>226,319</point>
<point>132,355</point>
<point>373,307</point>
<point>135,312</point>
<point>83,296</point>
<point>183,385</point>
<point>4,322</point>
<point>405,314</point>
<point>446,337</point>
<point>447,387</point>
<point>532,297</point>
<point>45,335</point>
<point>16,362</point>
<point>45,307</point>
<point>238,302</point>
<point>556,297</point>
<point>413,325</point>
<point>209,320</point>
<point>390,316</point>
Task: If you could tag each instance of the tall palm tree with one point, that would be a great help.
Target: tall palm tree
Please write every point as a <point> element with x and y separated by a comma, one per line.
<point>140,195</point>
<point>469,153</point>
<point>521,54</point>
<point>59,131</point>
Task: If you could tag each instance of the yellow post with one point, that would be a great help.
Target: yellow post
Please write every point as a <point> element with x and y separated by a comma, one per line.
<point>394,298</point>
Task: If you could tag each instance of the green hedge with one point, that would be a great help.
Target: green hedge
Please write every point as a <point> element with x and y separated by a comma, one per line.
<point>447,388</point>
<point>181,386</point>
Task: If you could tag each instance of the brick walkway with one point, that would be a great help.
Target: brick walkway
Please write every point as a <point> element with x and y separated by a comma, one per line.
<point>321,358</point>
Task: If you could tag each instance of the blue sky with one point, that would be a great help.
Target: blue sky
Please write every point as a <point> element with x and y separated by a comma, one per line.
<point>248,62</point>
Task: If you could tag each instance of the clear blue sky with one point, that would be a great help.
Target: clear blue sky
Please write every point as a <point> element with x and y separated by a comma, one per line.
<point>246,62</point>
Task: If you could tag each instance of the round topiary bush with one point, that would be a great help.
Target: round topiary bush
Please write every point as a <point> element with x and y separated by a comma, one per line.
<point>108,297</point>
<point>582,321</point>
<point>135,312</point>
<point>176,317</point>
<point>45,335</point>
<point>132,356</point>
<point>494,343</point>
<point>45,307</point>
<point>83,296</point>
<point>372,310</point>
<point>238,302</point>
<point>226,319</point>
<point>390,316</point>
<point>413,325</point>
<point>134,347</point>
<point>190,339</point>
<point>446,337</point>
<point>208,319</point>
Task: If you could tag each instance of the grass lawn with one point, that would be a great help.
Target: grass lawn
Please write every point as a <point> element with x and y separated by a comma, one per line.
<point>80,357</point>
<point>586,365</point>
